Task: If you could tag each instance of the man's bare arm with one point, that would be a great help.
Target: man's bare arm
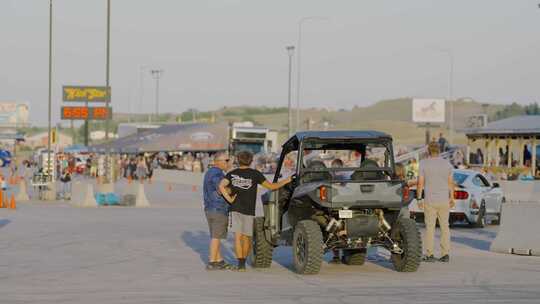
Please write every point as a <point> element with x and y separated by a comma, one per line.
<point>451,186</point>
<point>275,186</point>
<point>223,189</point>
<point>420,186</point>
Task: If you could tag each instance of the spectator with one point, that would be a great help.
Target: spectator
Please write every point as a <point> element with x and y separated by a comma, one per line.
<point>443,143</point>
<point>65,179</point>
<point>142,169</point>
<point>243,182</point>
<point>216,210</point>
<point>458,158</point>
<point>527,156</point>
<point>436,180</point>
<point>479,157</point>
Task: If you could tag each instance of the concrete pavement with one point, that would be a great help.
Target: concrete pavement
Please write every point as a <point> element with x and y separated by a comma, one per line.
<point>54,253</point>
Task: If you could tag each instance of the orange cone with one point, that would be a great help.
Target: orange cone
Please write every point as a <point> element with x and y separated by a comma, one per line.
<point>12,203</point>
<point>129,179</point>
<point>194,188</point>
<point>1,199</point>
<point>169,187</point>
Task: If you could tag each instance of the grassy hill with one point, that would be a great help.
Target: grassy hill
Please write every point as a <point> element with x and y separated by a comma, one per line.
<point>391,116</point>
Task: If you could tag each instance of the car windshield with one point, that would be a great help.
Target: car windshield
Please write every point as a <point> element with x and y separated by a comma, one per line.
<point>346,161</point>
<point>459,178</point>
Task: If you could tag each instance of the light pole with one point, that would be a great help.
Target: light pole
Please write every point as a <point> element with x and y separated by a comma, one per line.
<point>290,52</point>
<point>298,64</point>
<point>156,74</point>
<point>108,67</point>
<point>50,89</point>
<point>141,86</point>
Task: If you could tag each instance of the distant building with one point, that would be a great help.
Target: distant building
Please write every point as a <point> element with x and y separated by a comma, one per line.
<point>41,140</point>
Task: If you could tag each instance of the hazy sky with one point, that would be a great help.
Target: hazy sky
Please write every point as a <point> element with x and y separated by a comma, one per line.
<point>232,52</point>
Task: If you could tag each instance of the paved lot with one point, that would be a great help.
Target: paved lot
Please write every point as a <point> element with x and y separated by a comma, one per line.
<point>55,253</point>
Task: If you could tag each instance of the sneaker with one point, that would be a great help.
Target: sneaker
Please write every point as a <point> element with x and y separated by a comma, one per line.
<point>241,265</point>
<point>445,259</point>
<point>241,268</point>
<point>225,265</point>
<point>212,266</point>
<point>218,266</point>
<point>429,259</point>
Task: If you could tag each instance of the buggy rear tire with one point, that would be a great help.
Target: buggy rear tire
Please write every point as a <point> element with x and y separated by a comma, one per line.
<point>407,235</point>
<point>261,250</point>
<point>307,247</point>
<point>355,257</point>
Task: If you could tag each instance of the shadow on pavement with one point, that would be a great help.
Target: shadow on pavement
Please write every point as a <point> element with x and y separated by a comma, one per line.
<point>473,243</point>
<point>4,222</point>
<point>199,240</point>
<point>283,256</point>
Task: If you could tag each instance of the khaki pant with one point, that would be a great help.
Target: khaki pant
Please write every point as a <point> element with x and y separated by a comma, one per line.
<point>432,212</point>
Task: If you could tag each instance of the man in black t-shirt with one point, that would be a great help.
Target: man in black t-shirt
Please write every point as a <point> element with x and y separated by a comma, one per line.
<point>243,183</point>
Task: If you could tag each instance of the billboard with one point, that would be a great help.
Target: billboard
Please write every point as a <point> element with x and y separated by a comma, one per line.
<point>13,114</point>
<point>86,93</point>
<point>84,113</point>
<point>428,110</point>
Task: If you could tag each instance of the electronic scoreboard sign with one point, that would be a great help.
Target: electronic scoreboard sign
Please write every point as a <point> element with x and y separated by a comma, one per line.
<point>84,113</point>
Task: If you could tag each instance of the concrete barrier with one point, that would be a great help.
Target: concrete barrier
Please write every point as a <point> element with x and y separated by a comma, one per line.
<point>518,233</point>
<point>141,201</point>
<point>22,195</point>
<point>82,194</point>
<point>521,191</point>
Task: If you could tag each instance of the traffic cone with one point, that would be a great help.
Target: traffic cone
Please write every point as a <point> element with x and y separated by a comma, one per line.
<point>169,187</point>
<point>194,188</point>
<point>129,179</point>
<point>12,203</point>
<point>1,199</point>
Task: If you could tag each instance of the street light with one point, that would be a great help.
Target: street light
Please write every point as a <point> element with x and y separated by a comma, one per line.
<point>156,74</point>
<point>290,52</point>
<point>50,88</point>
<point>108,67</point>
<point>298,64</point>
<point>141,85</point>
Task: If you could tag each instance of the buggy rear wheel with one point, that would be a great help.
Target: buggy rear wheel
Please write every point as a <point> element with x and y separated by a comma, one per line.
<point>262,250</point>
<point>307,247</point>
<point>406,235</point>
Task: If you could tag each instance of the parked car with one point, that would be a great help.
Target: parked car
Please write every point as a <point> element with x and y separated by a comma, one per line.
<point>5,158</point>
<point>475,198</point>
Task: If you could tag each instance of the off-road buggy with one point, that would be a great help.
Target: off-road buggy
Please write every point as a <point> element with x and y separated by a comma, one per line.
<point>357,203</point>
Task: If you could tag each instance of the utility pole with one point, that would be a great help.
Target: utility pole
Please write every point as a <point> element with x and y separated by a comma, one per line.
<point>156,74</point>
<point>50,89</point>
<point>290,52</point>
<point>107,67</point>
